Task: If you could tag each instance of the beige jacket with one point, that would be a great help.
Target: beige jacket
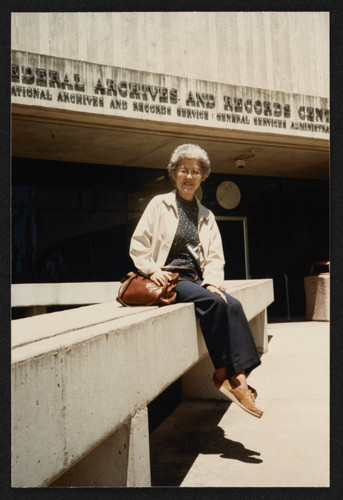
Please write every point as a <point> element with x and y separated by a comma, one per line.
<point>154,235</point>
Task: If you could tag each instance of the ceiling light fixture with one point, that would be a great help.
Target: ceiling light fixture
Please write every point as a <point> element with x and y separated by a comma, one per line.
<point>239,163</point>
<point>239,160</point>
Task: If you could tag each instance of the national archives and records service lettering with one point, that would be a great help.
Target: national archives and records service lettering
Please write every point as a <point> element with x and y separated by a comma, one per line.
<point>177,100</point>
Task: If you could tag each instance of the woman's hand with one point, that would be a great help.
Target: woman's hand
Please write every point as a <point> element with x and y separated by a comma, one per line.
<point>160,277</point>
<point>216,290</point>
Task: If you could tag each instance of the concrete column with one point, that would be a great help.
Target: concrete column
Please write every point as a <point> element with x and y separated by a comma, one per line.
<point>197,382</point>
<point>258,326</point>
<point>138,471</point>
<point>122,459</point>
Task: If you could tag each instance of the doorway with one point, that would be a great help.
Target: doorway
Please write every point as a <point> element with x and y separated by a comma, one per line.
<point>234,233</point>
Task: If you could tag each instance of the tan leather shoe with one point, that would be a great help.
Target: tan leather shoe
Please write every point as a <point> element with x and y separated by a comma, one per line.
<point>243,397</point>
<point>253,391</point>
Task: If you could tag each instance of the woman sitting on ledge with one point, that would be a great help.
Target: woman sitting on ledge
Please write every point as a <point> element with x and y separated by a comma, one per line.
<point>177,230</point>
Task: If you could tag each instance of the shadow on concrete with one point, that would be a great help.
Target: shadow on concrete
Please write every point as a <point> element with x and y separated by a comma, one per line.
<point>192,429</point>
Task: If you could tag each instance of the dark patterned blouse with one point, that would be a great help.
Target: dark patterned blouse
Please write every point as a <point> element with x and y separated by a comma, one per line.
<point>187,232</point>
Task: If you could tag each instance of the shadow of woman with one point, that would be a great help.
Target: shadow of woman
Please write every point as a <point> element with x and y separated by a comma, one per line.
<point>213,441</point>
<point>193,430</point>
<point>232,449</point>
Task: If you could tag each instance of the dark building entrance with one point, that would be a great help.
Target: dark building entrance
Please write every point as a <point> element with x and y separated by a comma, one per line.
<point>73,222</point>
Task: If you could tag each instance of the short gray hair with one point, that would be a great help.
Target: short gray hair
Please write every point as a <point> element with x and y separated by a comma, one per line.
<point>190,151</point>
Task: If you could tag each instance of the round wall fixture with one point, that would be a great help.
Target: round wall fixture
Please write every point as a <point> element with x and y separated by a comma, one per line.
<point>228,195</point>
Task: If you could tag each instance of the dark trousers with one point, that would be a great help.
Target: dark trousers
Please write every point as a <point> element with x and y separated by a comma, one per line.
<point>224,326</point>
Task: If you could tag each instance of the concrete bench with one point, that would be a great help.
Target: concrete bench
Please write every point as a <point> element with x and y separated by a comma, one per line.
<point>36,297</point>
<point>82,380</point>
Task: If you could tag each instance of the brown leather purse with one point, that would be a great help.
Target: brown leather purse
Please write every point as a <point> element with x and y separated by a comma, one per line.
<point>137,290</point>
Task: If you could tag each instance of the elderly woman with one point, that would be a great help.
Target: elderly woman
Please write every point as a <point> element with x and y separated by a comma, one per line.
<point>177,230</point>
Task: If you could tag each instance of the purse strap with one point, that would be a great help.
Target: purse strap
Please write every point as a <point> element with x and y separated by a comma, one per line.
<point>185,269</point>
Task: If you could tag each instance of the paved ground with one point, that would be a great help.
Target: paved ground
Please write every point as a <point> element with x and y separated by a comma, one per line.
<point>217,444</point>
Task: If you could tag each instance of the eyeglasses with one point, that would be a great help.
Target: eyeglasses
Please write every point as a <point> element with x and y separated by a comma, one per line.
<point>184,171</point>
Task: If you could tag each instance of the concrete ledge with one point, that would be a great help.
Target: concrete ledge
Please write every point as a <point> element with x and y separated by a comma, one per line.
<point>53,294</point>
<point>35,328</point>
<point>71,391</point>
<point>79,375</point>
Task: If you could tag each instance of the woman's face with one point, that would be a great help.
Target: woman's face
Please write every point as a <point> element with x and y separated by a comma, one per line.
<point>188,177</point>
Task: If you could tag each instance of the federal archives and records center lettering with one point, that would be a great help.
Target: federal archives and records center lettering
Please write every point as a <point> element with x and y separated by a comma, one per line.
<point>144,99</point>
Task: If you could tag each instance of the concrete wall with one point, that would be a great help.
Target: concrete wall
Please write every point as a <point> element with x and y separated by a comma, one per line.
<point>78,376</point>
<point>281,51</point>
<point>72,390</point>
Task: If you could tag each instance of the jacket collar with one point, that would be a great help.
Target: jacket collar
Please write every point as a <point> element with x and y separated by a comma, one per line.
<point>170,200</point>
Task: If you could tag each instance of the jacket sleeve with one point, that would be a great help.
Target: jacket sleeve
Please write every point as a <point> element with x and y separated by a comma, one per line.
<point>213,273</point>
<point>141,240</point>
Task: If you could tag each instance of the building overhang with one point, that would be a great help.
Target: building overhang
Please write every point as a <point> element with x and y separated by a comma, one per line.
<point>74,111</point>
